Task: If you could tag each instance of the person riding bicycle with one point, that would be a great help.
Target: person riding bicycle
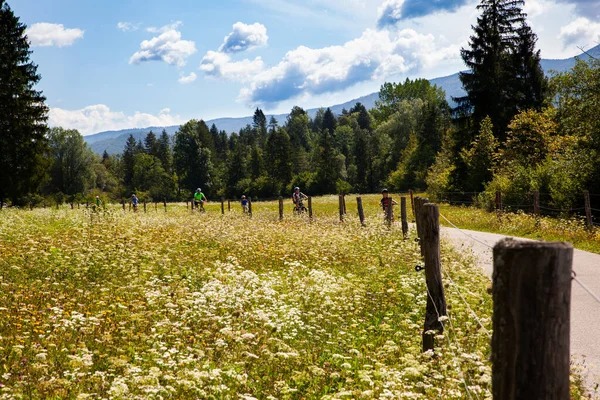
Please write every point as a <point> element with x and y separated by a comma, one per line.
<point>244,203</point>
<point>134,202</point>
<point>199,199</point>
<point>385,201</point>
<point>297,198</point>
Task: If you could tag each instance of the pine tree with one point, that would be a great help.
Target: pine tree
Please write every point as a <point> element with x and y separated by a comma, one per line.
<point>151,144</point>
<point>23,114</point>
<point>504,70</point>
<point>278,158</point>
<point>131,149</point>
<point>329,121</point>
<point>259,123</point>
<point>164,153</point>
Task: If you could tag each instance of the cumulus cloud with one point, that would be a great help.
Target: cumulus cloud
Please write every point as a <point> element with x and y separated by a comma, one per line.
<point>393,11</point>
<point>244,37</point>
<point>128,26</point>
<point>99,117</point>
<point>580,32</point>
<point>188,79</point>
<point>585,8</point>
<point>219,65</point>
<point>173,26</point>
<point>374,55</point>
<point>168,47</point>
<point>46,34</point>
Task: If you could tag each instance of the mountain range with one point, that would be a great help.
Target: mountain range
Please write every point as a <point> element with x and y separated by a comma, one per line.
<point>114,141</point>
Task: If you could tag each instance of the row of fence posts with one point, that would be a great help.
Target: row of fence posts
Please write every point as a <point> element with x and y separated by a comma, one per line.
<point>536,205</point>
<point>531,292</point>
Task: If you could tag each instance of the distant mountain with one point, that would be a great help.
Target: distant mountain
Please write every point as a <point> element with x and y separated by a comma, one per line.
<point>114,141</point>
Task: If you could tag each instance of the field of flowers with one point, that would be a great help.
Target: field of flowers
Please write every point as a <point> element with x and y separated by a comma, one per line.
<point>180,305</point>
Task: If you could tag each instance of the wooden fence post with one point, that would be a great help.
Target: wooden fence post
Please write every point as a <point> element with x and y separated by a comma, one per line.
<point>412,203</point>
<point>310,213</point>
<point>123,204</point>
<point>222,206</point>
<point>156,206</point>
<point>404,216</point>
<point>588,209</point>
<point>436,301</point>
<point>250,206</point>
<point>389,211</point>
<point>498,200</point>
<point>280,208</point>
<point>341,205</point>
<point>165,203</point>
<point>229,205</point>
<point>531,321</point>
<point>344,203</point>
<point>361,212</point>
<point>536,202</point>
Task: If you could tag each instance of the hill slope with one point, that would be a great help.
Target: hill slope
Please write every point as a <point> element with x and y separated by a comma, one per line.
<point>114,141</point>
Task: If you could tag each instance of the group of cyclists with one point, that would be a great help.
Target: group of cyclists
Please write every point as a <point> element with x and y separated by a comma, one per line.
<point>297,199</point>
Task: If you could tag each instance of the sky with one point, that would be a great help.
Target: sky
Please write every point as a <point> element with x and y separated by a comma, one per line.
<point>121,64</point>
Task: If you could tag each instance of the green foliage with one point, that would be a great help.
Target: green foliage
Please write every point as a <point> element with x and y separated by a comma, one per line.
<point>479,158</point>
<point>72,170</point>
<point>23,114</point>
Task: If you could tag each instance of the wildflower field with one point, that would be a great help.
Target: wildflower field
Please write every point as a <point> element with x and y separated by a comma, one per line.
<point>183,305</point>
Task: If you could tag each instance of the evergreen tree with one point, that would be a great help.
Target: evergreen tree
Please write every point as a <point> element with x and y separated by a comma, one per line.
<point>23,114</point>
<point>327,172</point>
<point>151,144</point>
<point>273,124</point>
<point>278,158</point>
<point>164,153</point>
<point>329,121</point>
<point>192,159</point>
<point>131,149</point>
<point>259,123</point>
<point>504,71</point>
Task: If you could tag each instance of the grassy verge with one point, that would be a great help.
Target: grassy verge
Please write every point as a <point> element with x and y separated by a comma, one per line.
<point>187,305</point>
<point>519,224</point>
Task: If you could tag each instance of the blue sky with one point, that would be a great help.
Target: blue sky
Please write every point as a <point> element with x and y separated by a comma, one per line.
<point>131,63</point>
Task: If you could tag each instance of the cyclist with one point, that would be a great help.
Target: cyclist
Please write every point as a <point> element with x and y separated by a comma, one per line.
<point>199,199</point>
<point>244,203</point>
<point>134,202</point>
<point>297,198</point>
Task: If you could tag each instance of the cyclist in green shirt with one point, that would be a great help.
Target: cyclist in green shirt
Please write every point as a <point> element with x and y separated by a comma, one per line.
<point>199,199</point>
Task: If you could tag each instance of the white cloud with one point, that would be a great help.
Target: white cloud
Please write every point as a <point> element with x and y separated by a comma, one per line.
<point>46,34</point>
<point>580,32</point>
<point>188,79</point>
<point>128,26</point>
<point>244,37</point>
<point>219,65</point>
<point>533,8</point>
<point>305,71</point>
<point>168,47</point>
<point>99,117</point>
<point>169,27</point>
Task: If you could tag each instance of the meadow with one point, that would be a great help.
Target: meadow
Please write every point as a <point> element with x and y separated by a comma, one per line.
<point>184,305</point>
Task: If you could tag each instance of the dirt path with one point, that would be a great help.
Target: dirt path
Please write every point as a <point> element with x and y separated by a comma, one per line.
<point>585,311</point>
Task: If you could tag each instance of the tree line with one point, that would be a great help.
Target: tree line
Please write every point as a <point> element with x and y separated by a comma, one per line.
<point>514,131</point>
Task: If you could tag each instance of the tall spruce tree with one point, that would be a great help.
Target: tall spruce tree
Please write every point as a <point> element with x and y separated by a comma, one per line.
<point>502,63</point>
<point>23,114</point>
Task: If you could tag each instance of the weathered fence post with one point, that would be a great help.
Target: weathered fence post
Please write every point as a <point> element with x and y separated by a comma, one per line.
<point>344,203</point>
<point>341,204</point>
<point>250,206</point>
<point>361,212</point>
<point>222,206</point>
<point>144,206</point>
<point>536,202</point>
<point>165,203</point>
<point>156,206</point>
<point>498,200</point>
<point>404,216</point>
<point>412,203</point>
<point>310,213</point>
<point>588,209</point>
<point>280,208</point>
<point>123,204</point>
<point>436,301</point>
<point>229,205</point>
<point>389,211</point>
<point>531,320</point>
